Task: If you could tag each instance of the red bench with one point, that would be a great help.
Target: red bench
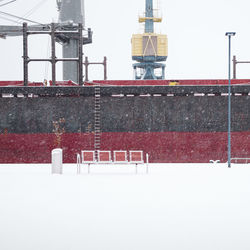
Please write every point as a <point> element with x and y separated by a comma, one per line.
<point>104,157</point>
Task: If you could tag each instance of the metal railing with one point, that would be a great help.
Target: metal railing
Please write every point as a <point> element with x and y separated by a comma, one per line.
<point>238,160</point>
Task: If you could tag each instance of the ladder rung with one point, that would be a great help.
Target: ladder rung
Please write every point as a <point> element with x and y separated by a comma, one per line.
<point>97,114</point>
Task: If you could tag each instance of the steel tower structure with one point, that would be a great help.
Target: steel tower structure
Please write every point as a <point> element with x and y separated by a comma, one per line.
<point>149,49</point>
<point>72,11</point>
<point>71,14</point>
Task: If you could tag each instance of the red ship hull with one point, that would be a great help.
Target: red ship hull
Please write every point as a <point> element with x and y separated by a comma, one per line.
<point>173,124</point>
<point>174,147</point>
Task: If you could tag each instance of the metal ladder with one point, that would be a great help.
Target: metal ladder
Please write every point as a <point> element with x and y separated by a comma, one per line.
<point>97,135</point>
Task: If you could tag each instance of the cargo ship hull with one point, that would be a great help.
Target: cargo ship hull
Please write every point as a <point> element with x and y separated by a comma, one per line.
<point>163,147</point>
<point>170,123</point>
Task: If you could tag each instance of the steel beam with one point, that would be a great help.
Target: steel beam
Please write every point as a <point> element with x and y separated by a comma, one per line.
<point>25,55</point>
<point>80,54</point>
<point>53,54</point>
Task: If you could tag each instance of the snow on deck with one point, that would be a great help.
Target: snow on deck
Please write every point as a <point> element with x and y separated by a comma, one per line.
<point>175,207</point>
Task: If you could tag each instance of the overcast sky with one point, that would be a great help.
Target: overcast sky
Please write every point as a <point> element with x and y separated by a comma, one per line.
<point>196,30</point>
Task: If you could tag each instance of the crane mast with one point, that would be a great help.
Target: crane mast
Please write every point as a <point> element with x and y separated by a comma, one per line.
<point>149,23</point>
<point>149,48</point>
<point>71,11</point>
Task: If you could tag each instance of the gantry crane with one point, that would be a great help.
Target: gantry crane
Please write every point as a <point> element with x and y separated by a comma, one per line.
<point>149,48</point>
<point>71,13</point>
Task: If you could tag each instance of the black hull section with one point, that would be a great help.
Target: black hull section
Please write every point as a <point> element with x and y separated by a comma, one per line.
<point>35,110</point>
<point>171,123</point>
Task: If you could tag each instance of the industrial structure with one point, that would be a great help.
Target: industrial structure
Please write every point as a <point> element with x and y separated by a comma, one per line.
<point>71,15</point>
<point>149,48</point>
<point>72,11</point>
<point>169,120</point>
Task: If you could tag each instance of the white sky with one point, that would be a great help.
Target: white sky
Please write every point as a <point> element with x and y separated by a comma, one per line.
<point>198,48</point>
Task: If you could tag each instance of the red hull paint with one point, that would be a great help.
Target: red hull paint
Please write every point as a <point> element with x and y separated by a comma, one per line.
<point>195,82</point>
<point>35,84</point>
<point>175,147</point>
<point>134,82</point>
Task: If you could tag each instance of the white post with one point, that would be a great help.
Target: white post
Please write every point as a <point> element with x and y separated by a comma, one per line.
<point>78,162</point>
<point>57,161</point>
<point>147,161</point>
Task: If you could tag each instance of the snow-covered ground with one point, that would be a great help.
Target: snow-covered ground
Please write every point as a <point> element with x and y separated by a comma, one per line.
<point>174,207</point>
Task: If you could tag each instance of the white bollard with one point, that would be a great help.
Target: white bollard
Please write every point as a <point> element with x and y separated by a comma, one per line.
<point>57,161</point>
<point>78,163</point>
<point>147,161</point>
